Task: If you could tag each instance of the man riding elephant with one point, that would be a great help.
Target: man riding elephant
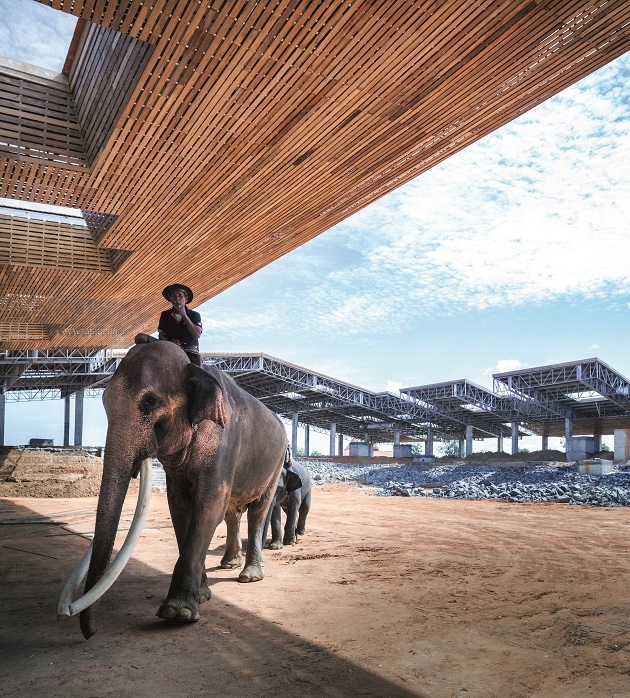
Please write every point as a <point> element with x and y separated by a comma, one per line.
<point>180,324</point>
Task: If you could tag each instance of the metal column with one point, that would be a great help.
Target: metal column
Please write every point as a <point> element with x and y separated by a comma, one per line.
<point>469,439</point>
<point>307,439</point>
<point>66,421</point>
<point>340,444</point>
<point>78,417</point>
<point>597,443</point>
<point>461,448</point>
<point>514,438</point>
<point>333,436</point>
<point>545,443</point>
<point>294,432</point>
<point>396,437</point>
<point>499,443</point>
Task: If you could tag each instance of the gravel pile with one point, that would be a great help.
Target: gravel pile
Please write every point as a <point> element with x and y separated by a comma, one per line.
<point>549,482</point>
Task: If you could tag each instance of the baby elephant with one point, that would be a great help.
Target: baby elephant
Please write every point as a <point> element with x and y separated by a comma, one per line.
<point>293,494</point>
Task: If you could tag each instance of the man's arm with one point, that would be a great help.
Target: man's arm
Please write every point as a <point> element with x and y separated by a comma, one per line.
<point>161,333</point>
<point>194,329</point>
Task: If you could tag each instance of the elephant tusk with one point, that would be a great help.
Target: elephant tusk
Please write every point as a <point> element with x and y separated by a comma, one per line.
<point>68,608</point>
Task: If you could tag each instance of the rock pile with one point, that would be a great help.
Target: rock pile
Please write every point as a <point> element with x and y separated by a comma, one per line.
<point>535,482</point>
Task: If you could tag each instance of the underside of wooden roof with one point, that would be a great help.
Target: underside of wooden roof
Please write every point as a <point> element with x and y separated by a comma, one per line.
<point>204,139</point>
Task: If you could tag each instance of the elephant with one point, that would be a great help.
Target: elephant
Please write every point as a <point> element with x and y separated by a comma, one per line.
<point>222,451</point>
<point>293,494</point>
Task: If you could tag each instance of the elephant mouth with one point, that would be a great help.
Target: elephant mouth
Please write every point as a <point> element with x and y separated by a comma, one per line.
<point>67,607</point>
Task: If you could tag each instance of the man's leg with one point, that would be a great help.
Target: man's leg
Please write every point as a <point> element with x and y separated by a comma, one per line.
<point>195,359</point>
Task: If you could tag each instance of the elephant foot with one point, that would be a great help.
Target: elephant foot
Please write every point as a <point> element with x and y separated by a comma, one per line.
<point>204,590</point>
<point>231,563</point>
<point>289,541</point>
<point>300,531</point>
<point>275,545</point>
<point>184,609</point>
<point>252,573</point>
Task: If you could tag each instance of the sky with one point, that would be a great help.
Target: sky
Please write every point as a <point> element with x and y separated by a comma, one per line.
<point>510,254</point>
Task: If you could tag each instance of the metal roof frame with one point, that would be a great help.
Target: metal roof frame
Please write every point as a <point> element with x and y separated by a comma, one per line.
<point>443,410</point>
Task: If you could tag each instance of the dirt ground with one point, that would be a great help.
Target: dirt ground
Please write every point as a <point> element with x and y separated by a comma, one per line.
<point>381,597</point>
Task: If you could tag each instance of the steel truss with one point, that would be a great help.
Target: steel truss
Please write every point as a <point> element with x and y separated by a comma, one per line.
<point>582,389</point>
<point>49,375</point>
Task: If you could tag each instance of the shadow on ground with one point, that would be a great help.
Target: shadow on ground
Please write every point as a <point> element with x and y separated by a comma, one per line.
<point>230,652</point>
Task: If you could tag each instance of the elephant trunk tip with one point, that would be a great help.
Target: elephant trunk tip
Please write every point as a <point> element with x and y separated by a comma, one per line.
<point>88,626</point>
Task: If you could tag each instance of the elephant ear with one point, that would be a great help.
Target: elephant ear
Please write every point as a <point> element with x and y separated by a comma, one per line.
<point>294,481</point>
<point>205,397</point>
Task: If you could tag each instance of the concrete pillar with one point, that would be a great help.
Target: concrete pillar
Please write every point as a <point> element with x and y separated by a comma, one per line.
<point>499,443</point>
<point>307,438</point>
<point>597,443</point>
<point>469,439</point>
<point>294,432</point>
<point>3,410</point>
<point>428,448</point>
<point>340,444</point>
<point>66,421</point>
<point>568,425</point>
<point>622,445</point>
<point>514,438</point>
<point>333,436</point>
<point>545,443</point>
<point>78,417</point>
<point>396,437</point>
<point>461,448</point>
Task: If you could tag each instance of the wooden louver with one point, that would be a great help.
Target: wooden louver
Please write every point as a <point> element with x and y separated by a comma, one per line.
<point>205,139</point>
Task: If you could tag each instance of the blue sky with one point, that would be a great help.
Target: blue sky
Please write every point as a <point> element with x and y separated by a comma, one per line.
<point>513,253</point>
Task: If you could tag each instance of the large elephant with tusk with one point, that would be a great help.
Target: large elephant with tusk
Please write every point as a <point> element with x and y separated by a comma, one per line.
<point>222,451</point>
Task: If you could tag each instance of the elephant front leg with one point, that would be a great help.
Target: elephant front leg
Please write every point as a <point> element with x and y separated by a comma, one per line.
<point>180,505</point>
<point>256,516</point>
<point>233,556</point>
<point>276,528</point>
<point>187,584</point>
<point>292,517</point>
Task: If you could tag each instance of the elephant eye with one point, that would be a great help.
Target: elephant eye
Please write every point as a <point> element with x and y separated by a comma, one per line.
<point>149,403</point>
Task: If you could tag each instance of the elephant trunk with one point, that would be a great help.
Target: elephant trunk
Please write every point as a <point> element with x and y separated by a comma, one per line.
<point>67,607</point>
<point>110,502</point>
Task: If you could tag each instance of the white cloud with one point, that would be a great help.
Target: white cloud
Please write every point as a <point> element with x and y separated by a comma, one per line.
<point>393,386</point>
<point>504,365</point>
<point>34,33</point>
<point>535,212</point>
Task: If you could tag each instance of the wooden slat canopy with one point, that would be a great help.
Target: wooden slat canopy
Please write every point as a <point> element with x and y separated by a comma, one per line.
<point>204,139</point>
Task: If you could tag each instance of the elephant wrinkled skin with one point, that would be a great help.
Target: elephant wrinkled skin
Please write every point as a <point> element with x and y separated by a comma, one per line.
<point>222,451</point>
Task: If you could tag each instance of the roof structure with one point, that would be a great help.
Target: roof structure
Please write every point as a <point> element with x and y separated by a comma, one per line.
<point>537,400</point>
<point>51,375</point>
<point>319,400</point>
<point>592,394</point>
<point>231,132</point>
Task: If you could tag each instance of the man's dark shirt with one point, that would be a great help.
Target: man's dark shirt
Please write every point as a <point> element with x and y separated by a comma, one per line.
<point>178,330</point>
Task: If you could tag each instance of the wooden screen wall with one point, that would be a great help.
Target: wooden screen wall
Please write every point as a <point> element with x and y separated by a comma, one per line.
<point>239,130</point>
<point>102,78</point>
